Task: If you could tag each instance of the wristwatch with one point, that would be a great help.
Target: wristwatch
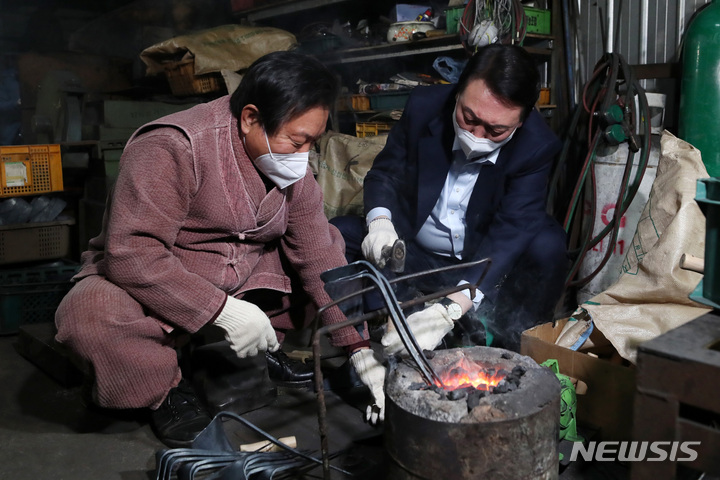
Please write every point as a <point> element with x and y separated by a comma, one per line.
<point>454,309</point>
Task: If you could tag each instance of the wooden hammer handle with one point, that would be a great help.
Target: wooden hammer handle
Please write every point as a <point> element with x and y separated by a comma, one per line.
<point>269,446</point>
<point>694,264</point>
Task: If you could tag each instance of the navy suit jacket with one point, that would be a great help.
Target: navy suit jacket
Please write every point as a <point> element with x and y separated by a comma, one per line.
<point>508,204</point>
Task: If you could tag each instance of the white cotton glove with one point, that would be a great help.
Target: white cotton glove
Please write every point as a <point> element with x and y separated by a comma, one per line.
<point>372,374</point>
<point>381,233</point>
<point>429,326</point>
<point>247,328</point>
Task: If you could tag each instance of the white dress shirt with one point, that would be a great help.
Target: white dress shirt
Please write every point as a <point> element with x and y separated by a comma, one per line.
<point>443,232</point>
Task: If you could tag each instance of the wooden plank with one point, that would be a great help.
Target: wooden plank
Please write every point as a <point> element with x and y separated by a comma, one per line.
<point>695,384</point>
<point>654,420</point>
<point>708,460</point>
<point>657,70</point>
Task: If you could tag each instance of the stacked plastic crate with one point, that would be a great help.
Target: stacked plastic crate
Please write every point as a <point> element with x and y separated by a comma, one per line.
<point>34,241</point>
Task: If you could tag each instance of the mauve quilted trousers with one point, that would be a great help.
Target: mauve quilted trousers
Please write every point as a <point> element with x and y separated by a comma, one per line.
<point>133,359</point>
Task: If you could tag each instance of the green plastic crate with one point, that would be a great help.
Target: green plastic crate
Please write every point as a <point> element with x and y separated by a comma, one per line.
<point>32,295</point>
<point>538,21</point>
<point>389,101</point>
<point>452,19</point>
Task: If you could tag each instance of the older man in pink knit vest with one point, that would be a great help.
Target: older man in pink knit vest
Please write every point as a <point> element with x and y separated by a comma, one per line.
<point>210,206</point>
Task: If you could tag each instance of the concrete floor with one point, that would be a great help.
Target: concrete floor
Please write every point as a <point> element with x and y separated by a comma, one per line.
<point>48,430</point>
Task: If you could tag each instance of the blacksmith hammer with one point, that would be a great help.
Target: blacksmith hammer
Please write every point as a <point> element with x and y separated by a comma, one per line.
<point>394,256</point>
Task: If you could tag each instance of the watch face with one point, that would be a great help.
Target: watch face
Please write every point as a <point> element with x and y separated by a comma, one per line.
<point>454,310</point>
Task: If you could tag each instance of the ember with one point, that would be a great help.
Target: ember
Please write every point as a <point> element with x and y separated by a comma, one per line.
<point>497,417</point>
<point>466,373</point>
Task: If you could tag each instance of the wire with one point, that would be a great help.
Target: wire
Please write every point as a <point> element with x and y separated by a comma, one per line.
<point>612,83</point>
<point>508,16</point>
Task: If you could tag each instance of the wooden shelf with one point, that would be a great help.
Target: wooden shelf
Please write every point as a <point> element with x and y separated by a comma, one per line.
<point>352,62</point>
<point>435,45</point>
<point>287,7</point>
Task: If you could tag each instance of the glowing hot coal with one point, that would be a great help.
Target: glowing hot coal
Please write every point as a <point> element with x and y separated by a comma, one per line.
<point>496,417</point>
<point>465,373</point>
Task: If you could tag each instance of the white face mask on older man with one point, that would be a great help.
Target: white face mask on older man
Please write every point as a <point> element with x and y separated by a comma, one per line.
<point>283,169</point>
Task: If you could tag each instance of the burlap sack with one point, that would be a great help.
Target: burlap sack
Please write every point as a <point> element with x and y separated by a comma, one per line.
<point>340,163</point>
<point>651,295</point>
<point>227,47</point>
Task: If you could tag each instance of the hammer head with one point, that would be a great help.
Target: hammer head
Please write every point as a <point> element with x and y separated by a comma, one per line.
<point>395,256</point>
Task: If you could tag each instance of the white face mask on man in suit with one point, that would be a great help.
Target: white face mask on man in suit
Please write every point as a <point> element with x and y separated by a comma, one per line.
<point>473,146</point>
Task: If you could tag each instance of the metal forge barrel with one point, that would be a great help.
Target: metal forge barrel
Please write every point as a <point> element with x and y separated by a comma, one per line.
<point>507,429</point>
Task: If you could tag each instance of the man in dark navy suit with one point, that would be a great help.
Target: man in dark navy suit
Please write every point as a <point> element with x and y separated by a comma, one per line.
<point>464,177</point>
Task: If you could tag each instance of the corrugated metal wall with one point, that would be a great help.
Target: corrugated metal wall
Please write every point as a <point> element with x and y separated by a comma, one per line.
<point>646,31</point>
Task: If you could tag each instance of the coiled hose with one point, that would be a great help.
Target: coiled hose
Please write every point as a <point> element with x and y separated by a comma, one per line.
<point>611,84</point>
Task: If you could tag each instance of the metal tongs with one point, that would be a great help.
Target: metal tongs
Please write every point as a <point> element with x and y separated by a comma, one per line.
<point>363,269</point>
<point>339,281</point>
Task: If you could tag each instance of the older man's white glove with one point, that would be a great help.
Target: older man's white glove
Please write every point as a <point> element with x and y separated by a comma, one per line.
<point>372,374</point>
<point>247,328</point>
<point>429,326</point>
<point>381,233</point>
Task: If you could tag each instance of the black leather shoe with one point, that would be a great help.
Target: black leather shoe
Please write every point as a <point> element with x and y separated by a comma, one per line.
<point>288,372</point>
<point>180,417</point>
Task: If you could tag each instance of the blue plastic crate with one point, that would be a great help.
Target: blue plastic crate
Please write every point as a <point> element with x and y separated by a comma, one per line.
<point>32,295</point>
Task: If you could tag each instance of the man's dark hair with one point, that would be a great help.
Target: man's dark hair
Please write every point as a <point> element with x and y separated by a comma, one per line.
<point>283,85</point>
<point>508,70</point>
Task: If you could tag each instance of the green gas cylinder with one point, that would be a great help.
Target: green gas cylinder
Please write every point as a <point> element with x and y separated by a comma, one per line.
<point>700,88</point>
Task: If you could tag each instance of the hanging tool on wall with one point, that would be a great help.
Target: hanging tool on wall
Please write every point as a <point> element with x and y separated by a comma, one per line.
<point>613,110</point>
<point>491,21</point>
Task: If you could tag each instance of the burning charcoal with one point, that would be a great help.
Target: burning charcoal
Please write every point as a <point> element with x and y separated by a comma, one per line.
<point>456,394</point>
<point>503,373</point>
<point>506,355</point>
<point>460,393</point>
<point>429,354</point>
<point>440,391</point>
<point>514,377</point>
<point>512,380</point>
<point>473,398</point>
<point>502,387</point>
<point>417,386</point>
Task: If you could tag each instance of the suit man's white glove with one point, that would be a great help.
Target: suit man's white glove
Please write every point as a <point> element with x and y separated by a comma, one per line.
<point>429,326</point>
<point>372,374</point>
<point>247,328</point>
<point>381,233</point>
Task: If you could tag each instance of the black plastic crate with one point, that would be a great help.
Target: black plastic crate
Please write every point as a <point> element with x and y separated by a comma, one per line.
<point>31,295</point>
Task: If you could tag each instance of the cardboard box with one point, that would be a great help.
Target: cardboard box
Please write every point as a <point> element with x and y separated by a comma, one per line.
<point>606,408</point>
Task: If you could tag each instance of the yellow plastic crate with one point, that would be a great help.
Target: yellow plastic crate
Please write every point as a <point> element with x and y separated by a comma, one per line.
<point>183,81</point>
<point>358,103</point>
<point>30,170</point>
<point>371,129</point>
